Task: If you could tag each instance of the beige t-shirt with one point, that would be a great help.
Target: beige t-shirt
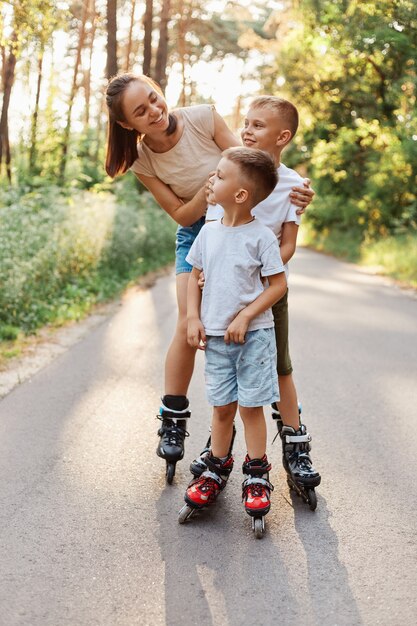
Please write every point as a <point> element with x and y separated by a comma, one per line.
<point>184,167</point>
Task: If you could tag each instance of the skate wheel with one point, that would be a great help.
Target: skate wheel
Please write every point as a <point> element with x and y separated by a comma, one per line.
<point>258,527</point>
<point>185,513</point>
<point>312,499</point>
<point>170,472</point>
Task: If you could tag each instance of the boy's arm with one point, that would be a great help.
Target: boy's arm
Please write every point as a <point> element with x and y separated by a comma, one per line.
<point>288,241</point>
<point>196,335</point>
<point>237,329</point>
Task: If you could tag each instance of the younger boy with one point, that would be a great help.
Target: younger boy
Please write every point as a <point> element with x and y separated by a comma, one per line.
<point>236,326</point>
<point>270,125</point>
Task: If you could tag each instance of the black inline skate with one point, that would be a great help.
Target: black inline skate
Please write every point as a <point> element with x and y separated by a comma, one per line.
<point>256,490</point>
<point>173,415</point>
<point>204,489</point>
<point>301,475</point>
<point>198,466</point>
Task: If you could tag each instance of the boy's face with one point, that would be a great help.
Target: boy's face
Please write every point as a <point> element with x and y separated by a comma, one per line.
<point>226,182</point>
<point>262,129</point>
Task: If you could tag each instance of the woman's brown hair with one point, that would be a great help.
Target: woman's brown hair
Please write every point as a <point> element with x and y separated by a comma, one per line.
<point>122,149</point>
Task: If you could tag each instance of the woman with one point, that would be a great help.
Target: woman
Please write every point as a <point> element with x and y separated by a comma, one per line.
<point>172,154</point>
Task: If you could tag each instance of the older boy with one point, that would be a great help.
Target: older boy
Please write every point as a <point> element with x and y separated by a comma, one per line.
<point>235,327</point>
<point>270,125</point>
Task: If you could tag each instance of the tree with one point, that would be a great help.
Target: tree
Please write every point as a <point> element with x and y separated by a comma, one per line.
<point>8,79</point>
<point>73,91</point>
<point>147,40</point>
<point>111,67</point>
<point>162,51</point>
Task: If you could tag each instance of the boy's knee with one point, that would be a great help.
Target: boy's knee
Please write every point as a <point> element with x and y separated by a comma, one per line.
<point>225,413</point>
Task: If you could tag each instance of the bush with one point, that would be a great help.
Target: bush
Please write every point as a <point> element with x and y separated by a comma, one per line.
<point>61,254</point>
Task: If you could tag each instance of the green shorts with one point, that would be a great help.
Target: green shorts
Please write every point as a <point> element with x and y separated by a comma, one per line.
<point>280,312</point>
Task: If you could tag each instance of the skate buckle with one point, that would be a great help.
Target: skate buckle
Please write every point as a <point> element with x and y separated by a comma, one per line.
<point>298,438</point>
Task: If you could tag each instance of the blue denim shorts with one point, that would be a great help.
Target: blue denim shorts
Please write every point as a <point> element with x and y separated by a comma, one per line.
<point>183,243</point>
<point>244,372</point>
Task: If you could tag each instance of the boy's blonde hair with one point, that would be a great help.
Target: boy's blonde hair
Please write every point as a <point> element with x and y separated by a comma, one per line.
<point>286,111</point>
<point>258,171</point>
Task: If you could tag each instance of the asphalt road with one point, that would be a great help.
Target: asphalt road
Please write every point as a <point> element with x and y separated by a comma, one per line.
<point>88,527</point>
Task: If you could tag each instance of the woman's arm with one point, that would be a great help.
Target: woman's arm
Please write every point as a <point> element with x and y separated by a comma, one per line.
<point>184,213</point>
<point>288,240</point>
<point>302,196</point>
<point>223,136</point>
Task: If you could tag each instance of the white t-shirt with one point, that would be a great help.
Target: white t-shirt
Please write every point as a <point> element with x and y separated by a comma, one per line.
<point>277,208</point>
<point>233,259</point>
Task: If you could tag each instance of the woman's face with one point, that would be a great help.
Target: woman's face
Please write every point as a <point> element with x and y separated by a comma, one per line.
<point>144,109</point>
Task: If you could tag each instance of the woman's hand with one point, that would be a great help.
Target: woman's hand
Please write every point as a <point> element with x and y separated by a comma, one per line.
<point>209,189</point>
<point>302,196</point>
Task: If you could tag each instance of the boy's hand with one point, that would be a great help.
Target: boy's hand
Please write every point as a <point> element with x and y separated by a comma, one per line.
<point>236,330</point>
<point>209,189</point>
<point>196,335</point>
<point>201,280</point>
<point>302,196</point>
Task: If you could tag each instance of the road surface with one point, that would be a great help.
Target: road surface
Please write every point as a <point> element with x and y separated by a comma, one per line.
<point>88,527</point>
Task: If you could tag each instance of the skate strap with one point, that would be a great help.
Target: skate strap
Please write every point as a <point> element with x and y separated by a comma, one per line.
<point>167,412</point>
<point>257,481</point>
<point>213,475</point>
<point>298,438</point>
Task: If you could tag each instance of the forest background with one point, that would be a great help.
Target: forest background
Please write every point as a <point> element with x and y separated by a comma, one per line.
<point>70,237</point>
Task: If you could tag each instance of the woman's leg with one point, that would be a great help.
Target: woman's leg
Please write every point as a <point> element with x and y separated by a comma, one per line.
<point>179,362</point>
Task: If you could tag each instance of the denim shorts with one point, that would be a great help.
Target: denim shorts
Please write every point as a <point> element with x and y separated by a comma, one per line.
<point>183,243</point>
<point>244,372</point>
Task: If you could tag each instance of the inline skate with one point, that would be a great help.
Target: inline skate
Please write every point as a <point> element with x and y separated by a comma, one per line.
<point>204,489</point>
<point>256,490</point>
<point>173,415</point>
<point>198,466</point>
<point>301,475</point>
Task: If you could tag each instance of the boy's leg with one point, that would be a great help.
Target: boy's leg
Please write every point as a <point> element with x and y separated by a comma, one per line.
<point>295,439</point>
<point>256,487</point>
<point>218,462</point>
<point>255,430</point>
<point>222,429</point>
<point>288,403</point>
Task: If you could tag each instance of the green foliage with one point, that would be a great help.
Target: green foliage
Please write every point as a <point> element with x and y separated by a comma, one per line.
<point>61,254</point>
<point>394,256</point>
<point>350,67</point>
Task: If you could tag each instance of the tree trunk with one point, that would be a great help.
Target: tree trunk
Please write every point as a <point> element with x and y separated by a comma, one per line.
<point>147,41</point>
<point>111,69</point>
<point>33,133</point>
<point>162,52</point>
<point>129,40</point>
<point>9,73</point>
<point>87,75</point>
<point>67,130</point>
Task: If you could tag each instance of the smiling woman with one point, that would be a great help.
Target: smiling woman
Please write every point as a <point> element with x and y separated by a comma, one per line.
<point>172,154</point>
